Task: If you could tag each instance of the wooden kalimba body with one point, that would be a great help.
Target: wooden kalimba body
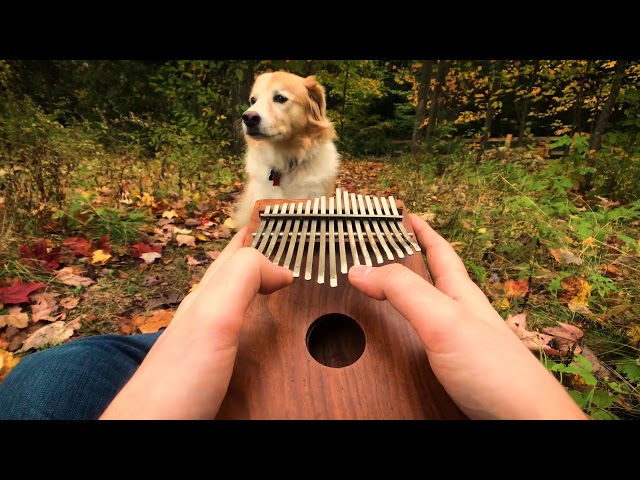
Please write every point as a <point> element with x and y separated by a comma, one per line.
<point>320,349</point>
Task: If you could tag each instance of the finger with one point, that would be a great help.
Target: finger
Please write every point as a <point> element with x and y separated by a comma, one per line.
<point>430,312</point>
<point>225,298</point>
<point>449,274</point>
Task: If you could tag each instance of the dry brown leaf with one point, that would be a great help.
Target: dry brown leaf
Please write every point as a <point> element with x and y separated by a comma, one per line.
<point>513,289</point>
<point>532,340</point>
<point>14,318</point>
<point>181,231</point>
<point>579,308</point>
<point>169,214</point>
<point>188,240</point>
<point>575,290</point>
<point>49,335</point>
<point>564,256</point>
<point>192,261</point>
<point>611,271</point>
<point>69,276</point>
<point>213,254</point>
<point>7,362</point>
<point>151,324</point>
<point>150,257</point>
<point>69,302</point>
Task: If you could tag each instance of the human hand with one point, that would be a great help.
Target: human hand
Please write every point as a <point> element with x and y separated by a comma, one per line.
<point>187,372</point>
<point>480,362</point>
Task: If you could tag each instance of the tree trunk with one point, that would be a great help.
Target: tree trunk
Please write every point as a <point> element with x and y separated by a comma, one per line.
<point>344,97</point>
<point>421,109</point>
<point>495,84</point>
<point>242,96</point>
<point>607,108</point>
<point>525,104</point>
<point>436,96</point>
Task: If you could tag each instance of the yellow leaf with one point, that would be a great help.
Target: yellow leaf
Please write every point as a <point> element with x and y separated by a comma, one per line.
<point>196,196</point>
<point>169,214</point>
<point>193,287</point>
<point>482,230</point>
<point>100,257</point>
<point>230,223</point>
<point>14,318</point>
<point>158,319</point>
<point>7,362</point>
<point>201,237</point>
<point>634,334</point>
<point>588,241</point>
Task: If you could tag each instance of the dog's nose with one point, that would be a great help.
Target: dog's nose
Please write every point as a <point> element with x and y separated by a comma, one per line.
<point>251,119</point>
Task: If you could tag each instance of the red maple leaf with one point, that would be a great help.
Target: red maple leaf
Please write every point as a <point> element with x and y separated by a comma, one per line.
<point>79,245</point>
<point>139,248</point>
<point>103,244</point>
<point>18,292</point>
<point>38,255</point>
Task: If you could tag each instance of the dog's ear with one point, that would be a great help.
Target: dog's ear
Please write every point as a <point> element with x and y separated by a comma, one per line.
<point>318,103</point>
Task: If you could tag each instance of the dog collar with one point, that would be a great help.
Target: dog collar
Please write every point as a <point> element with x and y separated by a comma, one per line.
<point>274,176</point>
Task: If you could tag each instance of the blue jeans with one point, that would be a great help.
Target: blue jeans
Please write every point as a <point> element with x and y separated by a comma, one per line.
<point>74,381</point>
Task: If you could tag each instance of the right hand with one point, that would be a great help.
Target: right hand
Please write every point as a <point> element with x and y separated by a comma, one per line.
<point>486,369</point>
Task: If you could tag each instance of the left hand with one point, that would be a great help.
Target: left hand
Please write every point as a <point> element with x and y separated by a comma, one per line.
<point>187,372</point>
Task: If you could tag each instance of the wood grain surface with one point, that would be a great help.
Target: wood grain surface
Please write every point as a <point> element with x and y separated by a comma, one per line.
<point>294,341</point>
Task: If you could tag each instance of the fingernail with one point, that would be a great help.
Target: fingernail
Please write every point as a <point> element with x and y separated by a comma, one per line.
<point>360,270</point>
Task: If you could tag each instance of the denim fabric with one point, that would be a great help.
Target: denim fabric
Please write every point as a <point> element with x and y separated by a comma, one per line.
<point>74,381</point>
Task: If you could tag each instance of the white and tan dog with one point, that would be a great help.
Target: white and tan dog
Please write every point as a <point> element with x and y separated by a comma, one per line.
<point>290,142</point>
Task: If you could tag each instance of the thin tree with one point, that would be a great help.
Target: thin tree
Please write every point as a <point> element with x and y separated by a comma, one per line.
<point>421,109</point>
<point>436,97</point>
<point>525,104</point>
<point>603,118</point>
<point>491,103</point>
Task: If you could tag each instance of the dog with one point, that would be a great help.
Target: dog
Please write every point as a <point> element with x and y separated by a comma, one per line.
<point>290,142</point>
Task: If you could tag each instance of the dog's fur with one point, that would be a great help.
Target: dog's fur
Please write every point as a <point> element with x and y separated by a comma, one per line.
<point>293,137</point>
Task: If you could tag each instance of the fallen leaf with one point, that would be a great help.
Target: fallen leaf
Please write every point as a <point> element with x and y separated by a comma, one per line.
<point>39,255</point>
<point>532,340</point>
<point>139,248</point>
<point>187,240</point>
<point>150,257</point>
<point>213,254</point>
<point>49,335</point>
<point>14,318</point>
<point>18,292</point>
<point>229,223</point>
<point>79,245</point>
<point>575,290</point>
<point>99,256</point>
<point>168,300</point>
<point>151,324</point>
<point>45,305</point>
<point>566,336</point>
<point>151,281</point>
<point>68,276</point>
<point>69,302</point>
<point>7,362</point>
<point>169,214</point>
<point>202,237</point>
<point>610,271</point>
<point>181,231</point>
<point>513,289</point>
<point>564,256</point>
<point>192,260</point>
<point>598,370</point>
<point>579,308</point>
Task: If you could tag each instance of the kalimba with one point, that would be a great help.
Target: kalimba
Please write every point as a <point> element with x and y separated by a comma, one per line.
<point>323,350</point>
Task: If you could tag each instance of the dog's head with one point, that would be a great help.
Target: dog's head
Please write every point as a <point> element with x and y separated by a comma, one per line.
<point>284,105</point>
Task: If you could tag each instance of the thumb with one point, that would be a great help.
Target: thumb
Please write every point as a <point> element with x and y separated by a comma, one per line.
<point>430,312</point>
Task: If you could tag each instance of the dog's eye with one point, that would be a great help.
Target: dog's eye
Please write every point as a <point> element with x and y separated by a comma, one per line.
<point>279,98</point>
<point>252,100</point>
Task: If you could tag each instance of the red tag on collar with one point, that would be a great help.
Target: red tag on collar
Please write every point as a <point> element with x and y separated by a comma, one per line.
<point>275,176</point>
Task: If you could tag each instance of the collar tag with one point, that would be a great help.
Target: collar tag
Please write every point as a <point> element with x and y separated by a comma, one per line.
<point>275,177</point>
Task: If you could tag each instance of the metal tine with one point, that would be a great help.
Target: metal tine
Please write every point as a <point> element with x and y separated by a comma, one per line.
<point>312,241</point>
<point>256,239</point>
<point>376,227</point>
<point>367,228</point>
<point>301,242</point>
<point>409,238</point>
<point>276,231</point>
<point>394,228</point>
<point>270,223</point>
<point>285,233</point>
<point>383,223</point>
<point>323,240</point>
<point>333,276</point>
<point>341,246</point>
<point>294,233</point>
<point>352,240</point>
<point>363,244</point>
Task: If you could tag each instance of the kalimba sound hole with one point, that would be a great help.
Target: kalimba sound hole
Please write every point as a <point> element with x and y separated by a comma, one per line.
<point>335,340</point>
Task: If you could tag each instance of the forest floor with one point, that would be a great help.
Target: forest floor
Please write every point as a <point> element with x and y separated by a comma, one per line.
<point>127,274</point>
